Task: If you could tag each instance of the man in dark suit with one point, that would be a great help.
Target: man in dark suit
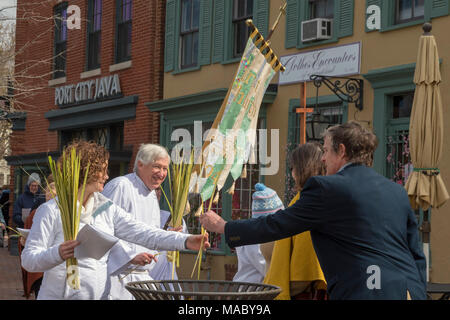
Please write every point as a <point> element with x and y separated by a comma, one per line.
<point>362,225</point>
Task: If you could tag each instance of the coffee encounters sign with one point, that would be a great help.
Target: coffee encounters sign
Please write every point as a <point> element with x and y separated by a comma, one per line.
<point>337,61</point>
<point>91,90</point>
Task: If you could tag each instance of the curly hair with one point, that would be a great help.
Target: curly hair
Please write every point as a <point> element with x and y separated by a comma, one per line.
<point>91,154</point>
<point>306,162</point>
<point>359,142</point>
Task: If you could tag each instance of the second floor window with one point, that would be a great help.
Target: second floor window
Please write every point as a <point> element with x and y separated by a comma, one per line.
<point>94,34</point>
<point>60,38</point>
<point>190,13</point>
<point>242,10</point>
<point>408,10</point>
<point>321,9</point>
<point>124,18</point>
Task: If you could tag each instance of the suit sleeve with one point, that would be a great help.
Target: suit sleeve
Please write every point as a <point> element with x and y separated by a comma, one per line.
<point>415,248</point>
<point>308,213</point>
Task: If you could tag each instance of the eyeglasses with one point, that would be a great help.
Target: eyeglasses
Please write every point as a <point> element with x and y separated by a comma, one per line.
<point>159,168</point>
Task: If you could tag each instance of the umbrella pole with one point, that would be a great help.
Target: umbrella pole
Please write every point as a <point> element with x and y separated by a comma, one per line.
<point>425,228</point>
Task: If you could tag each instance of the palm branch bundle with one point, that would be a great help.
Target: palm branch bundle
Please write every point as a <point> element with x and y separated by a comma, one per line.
<point>179,175</point>
<point>69,200</point>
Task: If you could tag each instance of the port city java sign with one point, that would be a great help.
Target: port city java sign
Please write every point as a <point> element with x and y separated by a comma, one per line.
<point>90,90</point>
<point>337,61</point>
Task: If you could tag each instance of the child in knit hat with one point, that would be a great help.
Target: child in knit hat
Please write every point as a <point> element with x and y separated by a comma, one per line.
<point>252,264</point>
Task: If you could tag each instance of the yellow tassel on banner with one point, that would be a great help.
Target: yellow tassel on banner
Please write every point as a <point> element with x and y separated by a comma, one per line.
<point>198,213</point>
<point>257,38</point>
<point>244,172</point>
<point>216,198</point>
<point>231,190</point>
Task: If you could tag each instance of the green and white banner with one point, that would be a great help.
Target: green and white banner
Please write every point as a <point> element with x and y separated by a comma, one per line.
<point>233,141</point>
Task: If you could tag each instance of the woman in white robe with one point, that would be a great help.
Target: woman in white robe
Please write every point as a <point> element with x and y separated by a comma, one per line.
<point>46,251</point>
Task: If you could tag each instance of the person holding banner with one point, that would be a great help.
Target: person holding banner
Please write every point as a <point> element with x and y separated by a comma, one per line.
<point>46,251</point>
<point>362,226</point>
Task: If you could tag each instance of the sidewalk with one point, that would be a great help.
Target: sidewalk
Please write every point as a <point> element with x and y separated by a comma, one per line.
<point>11,287</point>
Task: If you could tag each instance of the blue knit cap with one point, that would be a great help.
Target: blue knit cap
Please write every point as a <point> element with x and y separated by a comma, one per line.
<point>265,201</point>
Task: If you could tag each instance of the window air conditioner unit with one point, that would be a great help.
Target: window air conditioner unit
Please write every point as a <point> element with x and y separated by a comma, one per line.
<point>316,29</point>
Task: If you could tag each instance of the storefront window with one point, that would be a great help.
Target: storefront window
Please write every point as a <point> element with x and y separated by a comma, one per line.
<point>190,13</point>
<point>60,41</point>
<point>408,10</point>
<point>124,19</point>
<point>110,137</point>
<point>321,9</point>
<point>94,36</point>
<point>398,159</point>
<point>242,10</point>
<point>323,117</point>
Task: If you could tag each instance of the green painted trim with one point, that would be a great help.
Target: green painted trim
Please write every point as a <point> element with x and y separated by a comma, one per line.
<point>387,82</point>
<point>216,95</point>
<point>292,27</point>
<point>178,70</point>
<point>169,28</point>
<point>228,34</point>
<point>391,76</point>
<point>232,60</point>
<point>403,25</point>
<point>93,114</point>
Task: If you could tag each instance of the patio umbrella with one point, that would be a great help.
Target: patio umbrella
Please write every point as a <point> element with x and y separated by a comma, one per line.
<point>425,186</point>
<point>426,130</point>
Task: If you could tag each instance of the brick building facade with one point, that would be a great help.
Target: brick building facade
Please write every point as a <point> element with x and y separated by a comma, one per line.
<point>117,49</point>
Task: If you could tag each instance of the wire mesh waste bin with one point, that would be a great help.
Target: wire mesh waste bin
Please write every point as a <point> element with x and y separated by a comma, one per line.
<point>201,290</point>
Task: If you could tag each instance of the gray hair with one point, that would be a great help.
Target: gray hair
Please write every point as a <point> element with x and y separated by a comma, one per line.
<point>150,152</point>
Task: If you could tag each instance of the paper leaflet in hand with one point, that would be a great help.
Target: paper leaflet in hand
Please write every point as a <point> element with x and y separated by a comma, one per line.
<point>94,243</point>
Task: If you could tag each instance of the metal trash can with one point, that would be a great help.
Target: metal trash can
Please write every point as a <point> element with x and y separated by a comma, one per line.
<point>201,290</point>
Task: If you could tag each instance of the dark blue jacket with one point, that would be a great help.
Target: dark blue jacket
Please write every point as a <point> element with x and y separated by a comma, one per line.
<point>24,201</point>
<point>363,230</point>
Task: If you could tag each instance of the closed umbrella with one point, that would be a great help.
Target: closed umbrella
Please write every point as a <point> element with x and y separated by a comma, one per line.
<point>425,186</point>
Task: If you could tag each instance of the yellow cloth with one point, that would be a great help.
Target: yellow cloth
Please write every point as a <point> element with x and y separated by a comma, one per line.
<point>294,259</point>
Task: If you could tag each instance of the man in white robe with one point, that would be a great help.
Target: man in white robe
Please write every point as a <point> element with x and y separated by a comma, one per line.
<point>135,193</point>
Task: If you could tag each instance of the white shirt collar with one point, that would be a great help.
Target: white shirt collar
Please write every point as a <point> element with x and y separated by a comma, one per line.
<point>344,166</point>
<point>142,184</point>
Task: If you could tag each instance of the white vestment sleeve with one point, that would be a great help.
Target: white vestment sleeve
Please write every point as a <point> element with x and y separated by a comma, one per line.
<point>120,255</point>
<point>128,229</point>
<point>40,254</point>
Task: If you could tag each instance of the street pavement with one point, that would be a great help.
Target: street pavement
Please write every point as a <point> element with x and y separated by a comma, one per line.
<point>11,287</point>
